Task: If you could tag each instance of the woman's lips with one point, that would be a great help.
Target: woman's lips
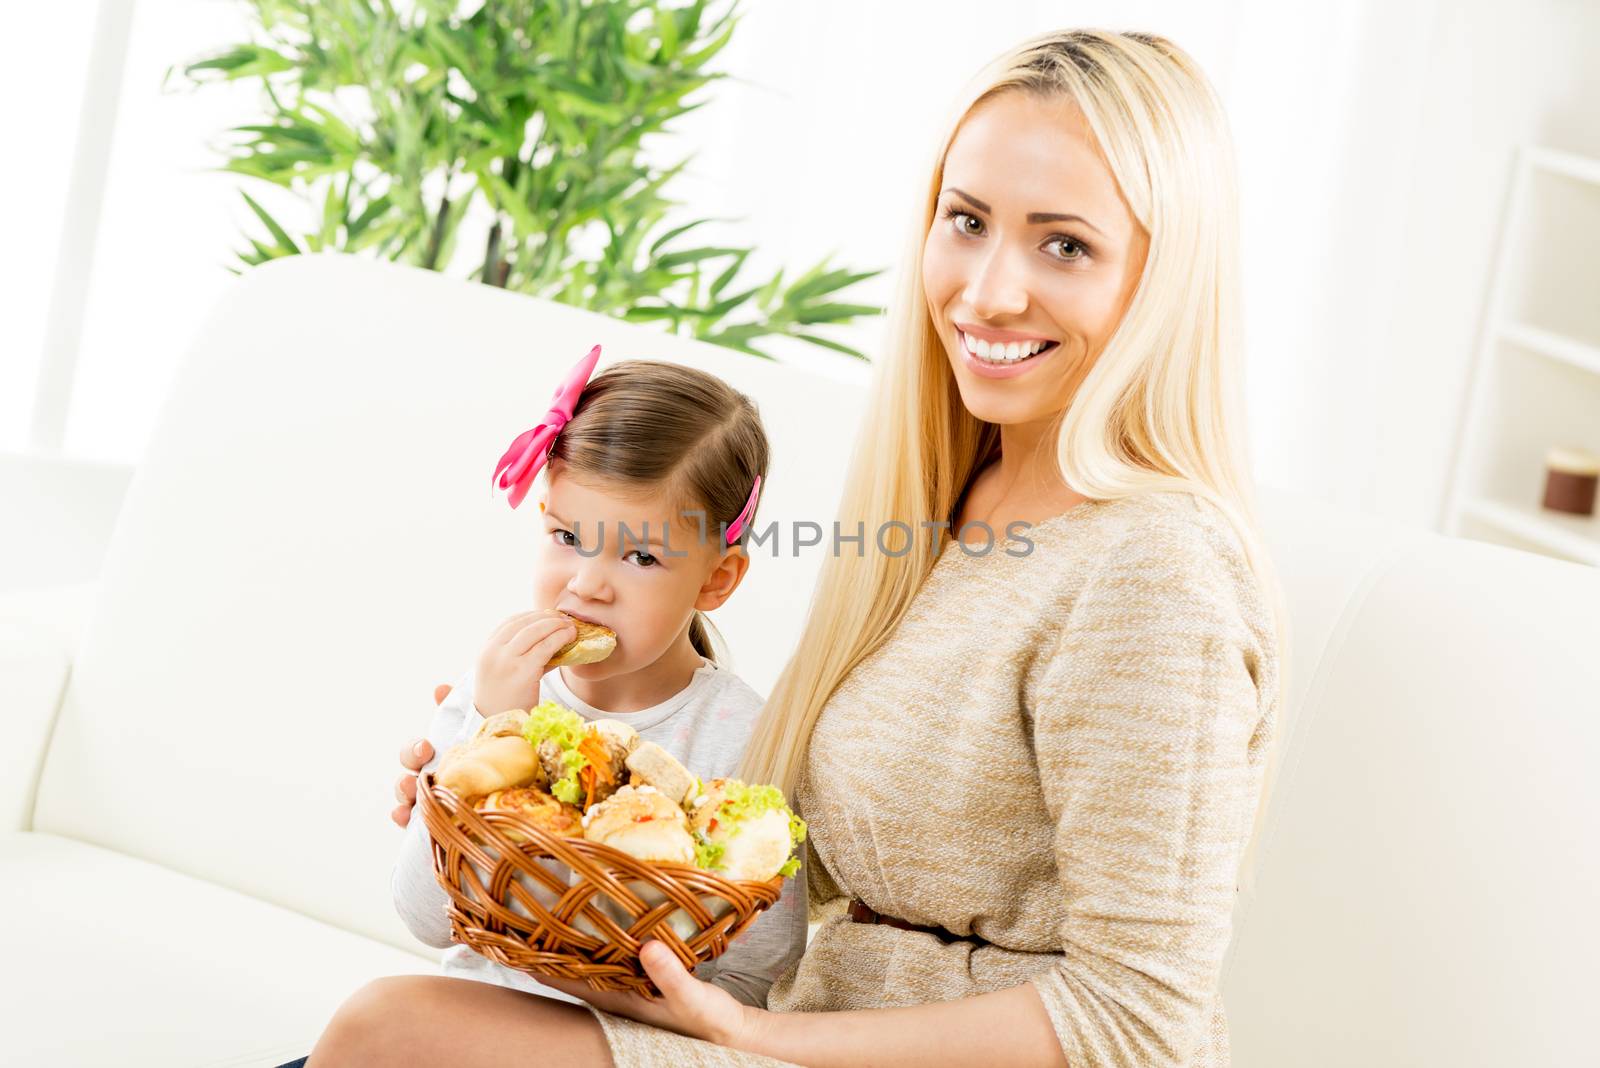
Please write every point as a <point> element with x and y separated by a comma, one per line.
<point>990,369</point>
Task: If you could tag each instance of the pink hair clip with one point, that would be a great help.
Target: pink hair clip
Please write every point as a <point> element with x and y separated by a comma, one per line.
<point>737,526</point>
<point>528,454</point>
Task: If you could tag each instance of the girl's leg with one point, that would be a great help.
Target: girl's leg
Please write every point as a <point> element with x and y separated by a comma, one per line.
<point>434,1020</point>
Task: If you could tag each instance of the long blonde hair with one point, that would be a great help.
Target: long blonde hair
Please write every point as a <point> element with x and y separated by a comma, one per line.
<point>1162,408</point>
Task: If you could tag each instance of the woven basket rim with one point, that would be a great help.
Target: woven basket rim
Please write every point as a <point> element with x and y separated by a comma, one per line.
<point>425,782</point>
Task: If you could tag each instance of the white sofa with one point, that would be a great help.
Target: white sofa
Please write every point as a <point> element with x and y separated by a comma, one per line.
<point>197,852</point>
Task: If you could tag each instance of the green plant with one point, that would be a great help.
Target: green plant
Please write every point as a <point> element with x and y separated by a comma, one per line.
<point>393,123</point>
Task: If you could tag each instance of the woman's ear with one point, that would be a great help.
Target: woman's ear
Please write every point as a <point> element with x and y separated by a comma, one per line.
<point>725,577</point>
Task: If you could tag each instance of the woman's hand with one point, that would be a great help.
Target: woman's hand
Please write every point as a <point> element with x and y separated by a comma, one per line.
<point>412,757</point>
<point>687,1005</point>
<point>513,661</point>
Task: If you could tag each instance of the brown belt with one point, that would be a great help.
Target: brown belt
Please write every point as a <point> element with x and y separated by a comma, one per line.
<point>860,913</point>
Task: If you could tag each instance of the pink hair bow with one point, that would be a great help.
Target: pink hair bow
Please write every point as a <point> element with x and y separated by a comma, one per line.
<point>527,455</point>
<point>737,526</point>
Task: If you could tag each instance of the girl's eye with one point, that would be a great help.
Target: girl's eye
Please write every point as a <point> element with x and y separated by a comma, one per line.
<point>642,558</point>
<point>564,537</point>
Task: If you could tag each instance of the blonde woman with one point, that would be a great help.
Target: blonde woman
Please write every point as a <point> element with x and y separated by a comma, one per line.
<point>1032,737</point>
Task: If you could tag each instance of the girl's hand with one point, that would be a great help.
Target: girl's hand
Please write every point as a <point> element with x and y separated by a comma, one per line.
<point>513,661</point>
<point>687,1005</point>
<point>412,757</point>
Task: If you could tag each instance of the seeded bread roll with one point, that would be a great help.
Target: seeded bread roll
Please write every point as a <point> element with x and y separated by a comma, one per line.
<point>654,766</point>
<point>593,644</point>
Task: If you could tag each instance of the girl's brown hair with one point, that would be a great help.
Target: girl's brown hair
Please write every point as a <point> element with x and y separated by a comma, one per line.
<point>650,427</point>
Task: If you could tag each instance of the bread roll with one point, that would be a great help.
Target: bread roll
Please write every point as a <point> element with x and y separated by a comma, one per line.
<point>537,807</point>
<point>593,644</point>
<point>501,725</point>
<point>654,766</point>
<point>643,823</point>
<point>489,764</point>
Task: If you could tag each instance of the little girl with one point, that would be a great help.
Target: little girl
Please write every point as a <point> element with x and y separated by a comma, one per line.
<point>652,477</point>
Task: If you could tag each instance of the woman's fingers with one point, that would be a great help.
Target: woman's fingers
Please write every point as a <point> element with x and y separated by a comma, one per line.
<point>418,753</point>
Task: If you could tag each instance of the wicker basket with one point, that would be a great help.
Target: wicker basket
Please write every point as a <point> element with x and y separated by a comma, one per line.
<point>571,908</point>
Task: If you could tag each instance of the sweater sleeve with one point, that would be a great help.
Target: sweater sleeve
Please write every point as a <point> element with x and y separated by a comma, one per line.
<point>418,897</point>
<point>766,949</point>
<point>1150,721</point>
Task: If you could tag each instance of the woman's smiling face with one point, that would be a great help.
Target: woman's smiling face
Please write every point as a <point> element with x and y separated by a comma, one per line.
<point>1032,257</point>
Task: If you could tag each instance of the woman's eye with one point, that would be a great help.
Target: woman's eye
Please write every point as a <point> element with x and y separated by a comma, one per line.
<point>961,219</point>
<point>1071,250</point>
<point>642,558</point>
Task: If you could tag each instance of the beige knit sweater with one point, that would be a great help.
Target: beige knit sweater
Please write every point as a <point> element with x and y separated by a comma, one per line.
<point>1059,753</point>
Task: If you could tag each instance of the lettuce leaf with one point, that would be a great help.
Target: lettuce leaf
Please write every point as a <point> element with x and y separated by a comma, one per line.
<point>554,722</point>
<point>742,802</point>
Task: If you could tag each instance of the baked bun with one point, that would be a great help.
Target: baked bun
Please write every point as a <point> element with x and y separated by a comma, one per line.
<point>501,725</point>
<point>485,765</point>
<point>535,806</point>
<point>593,644</point>
<point>654,766</point>
<point>643,823</point>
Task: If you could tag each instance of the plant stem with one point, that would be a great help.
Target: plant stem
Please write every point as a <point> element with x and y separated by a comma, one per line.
<point>491,255</point>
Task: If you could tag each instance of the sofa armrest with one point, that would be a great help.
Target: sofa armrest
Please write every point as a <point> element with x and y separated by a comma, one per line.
<point>39,631</point>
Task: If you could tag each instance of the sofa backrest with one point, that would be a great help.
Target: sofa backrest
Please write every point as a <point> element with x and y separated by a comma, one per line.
<point>312,543</point>
<point>1429,872</point>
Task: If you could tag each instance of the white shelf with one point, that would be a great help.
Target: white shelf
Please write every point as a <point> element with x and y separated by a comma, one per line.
<point>1552,346</point>
<point>1536,370</point>
<point>1572,536</point>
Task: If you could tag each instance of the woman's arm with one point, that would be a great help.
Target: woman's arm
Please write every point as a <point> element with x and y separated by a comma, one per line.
<point>1007,1027</point>
<point>1150,730</point>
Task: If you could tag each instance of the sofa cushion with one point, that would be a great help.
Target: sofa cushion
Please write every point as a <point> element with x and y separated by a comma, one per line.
<point>120,961</point>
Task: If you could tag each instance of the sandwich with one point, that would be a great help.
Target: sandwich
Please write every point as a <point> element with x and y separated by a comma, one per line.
<point>643,823</point>
<point>593,644</point>
<point>745,832</point>
<point>582,763</point>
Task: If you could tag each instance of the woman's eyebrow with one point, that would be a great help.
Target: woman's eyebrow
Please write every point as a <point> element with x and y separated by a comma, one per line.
<point>1034,217</point>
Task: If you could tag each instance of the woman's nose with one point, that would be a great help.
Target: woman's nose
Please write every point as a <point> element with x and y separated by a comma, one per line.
<point>998,288</point>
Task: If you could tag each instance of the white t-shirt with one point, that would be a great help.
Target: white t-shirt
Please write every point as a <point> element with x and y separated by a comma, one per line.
<point>706,726</point>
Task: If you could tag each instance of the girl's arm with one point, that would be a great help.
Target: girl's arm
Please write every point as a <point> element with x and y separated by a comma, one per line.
<point>418,897</point>
<point>767,949</point>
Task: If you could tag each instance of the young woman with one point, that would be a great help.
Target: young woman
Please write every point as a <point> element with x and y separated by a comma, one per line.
<point>1031,773</point>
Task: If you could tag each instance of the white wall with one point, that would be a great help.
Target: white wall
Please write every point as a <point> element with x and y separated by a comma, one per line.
<point>34,164</point>
<point>1374,142</point>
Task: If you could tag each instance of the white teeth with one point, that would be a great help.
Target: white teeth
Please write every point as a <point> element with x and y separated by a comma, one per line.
<point>1002,353</point>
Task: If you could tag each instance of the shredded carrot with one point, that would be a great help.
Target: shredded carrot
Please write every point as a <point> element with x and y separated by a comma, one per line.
<point>598,767</point>
<point>595,751</point>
